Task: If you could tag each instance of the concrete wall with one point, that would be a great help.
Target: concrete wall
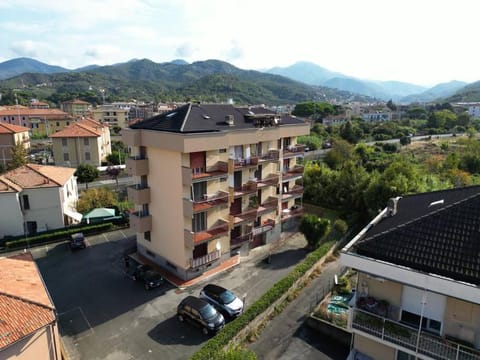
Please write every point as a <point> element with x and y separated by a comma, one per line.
<point>462,321</point>
<point>11,218</point>
<point>380,289</point>
<point>76,151</point>
<point>372,348</point>
<point>45,208</point>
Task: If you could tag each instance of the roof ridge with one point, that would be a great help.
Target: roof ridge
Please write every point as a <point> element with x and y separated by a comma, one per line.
<point>186,116</point>
<point>30,166</point>
<point>27,300</point>
<point>10,184</point>
<point>88,128</point>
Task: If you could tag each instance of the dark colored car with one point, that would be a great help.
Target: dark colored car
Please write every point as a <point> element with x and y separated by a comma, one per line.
<point>77,241</point>
<point>224,300</point>
<point>200,313</point>
<point>149,276</point>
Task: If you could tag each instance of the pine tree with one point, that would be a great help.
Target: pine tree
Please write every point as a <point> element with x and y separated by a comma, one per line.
<point>19,156</point>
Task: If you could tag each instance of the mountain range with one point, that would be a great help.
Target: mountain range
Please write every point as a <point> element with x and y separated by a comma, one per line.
<point>214,80</point>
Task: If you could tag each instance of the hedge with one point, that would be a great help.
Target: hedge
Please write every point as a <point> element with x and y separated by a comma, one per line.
<point>62,234</point>
<point>215,345</point>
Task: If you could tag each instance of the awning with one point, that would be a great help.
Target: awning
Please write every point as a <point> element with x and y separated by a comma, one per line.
<point>73,214</point>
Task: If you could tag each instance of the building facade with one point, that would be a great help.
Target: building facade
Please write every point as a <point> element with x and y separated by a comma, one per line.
<point>76,108</point>
<point>9,136</point>
<point>85,142</point>
<point>418,269</point>
<point>112,114</point>
<point>36,198</point>
<point>212,180</point>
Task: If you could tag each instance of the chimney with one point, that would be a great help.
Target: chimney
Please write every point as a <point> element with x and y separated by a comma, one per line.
<point>392,206</point>
<point>229,120</point>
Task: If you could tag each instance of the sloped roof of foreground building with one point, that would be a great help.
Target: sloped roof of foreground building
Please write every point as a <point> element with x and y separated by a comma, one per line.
<point>436,232</point>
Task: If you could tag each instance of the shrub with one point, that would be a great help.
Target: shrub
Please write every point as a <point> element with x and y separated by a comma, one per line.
<point>340,226</point>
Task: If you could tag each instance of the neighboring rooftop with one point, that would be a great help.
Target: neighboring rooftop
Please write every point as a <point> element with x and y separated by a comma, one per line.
<point>12,129</point>
<point>36,176</point>
<point>436,232</point>
<point>25,305</point>
<point>79,129</point>
<point>192,118</point>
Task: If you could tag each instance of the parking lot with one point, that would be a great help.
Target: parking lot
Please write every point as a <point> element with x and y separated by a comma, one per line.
<point>103,314</point>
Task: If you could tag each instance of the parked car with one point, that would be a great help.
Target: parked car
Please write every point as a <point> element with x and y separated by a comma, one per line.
<point>77,241</point>
<point>150,277</point>
<point>224,300</point>
<point>200,313</point>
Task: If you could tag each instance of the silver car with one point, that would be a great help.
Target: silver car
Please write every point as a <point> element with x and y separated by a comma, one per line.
<point>224,300</point>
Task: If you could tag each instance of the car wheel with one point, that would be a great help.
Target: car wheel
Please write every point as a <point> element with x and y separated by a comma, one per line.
<point>205,331</point>
<point>180,318</point>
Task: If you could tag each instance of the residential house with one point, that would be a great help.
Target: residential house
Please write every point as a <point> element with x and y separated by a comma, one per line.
<point>35,104</point>
<point>38,120</point>
<point>28,326</point>
<point>376,114</point>
<point>76,108</point>
<point>418,265</point>
<point>85,142</point>
<point>9,136</point>
<point>36,198</point>
<point>212,180</point>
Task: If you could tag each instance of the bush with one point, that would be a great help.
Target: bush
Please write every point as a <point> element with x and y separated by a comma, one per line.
<point>212,349</point>
<point>340,226</point>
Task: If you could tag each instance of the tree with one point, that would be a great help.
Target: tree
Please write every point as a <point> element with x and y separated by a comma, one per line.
<point>96,198</point>
<point>391,105</point>
<point>341,152</point>
<point>405,140</point>
<point>113,172</point>
<point>313,228</point>
<point>19,156</point>
<point>86,173</point>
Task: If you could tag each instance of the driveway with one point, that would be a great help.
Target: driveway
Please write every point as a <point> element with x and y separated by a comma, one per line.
<point>103,314</point>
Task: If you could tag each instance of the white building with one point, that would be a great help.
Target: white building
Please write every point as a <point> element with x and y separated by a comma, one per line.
<point>36,198</point>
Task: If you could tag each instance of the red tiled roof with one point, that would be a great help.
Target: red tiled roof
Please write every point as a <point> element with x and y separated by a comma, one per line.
<point>11,129</point>
<point>7,186</point>
<point>35,176</point>
<point>77,129</point>
<point>25,305</point>
<point>23,111</point>
<point>91,122</point>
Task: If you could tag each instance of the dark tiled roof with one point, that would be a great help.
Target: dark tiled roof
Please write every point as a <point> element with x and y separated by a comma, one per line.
<point>441,238</point>
<point>192,118</point>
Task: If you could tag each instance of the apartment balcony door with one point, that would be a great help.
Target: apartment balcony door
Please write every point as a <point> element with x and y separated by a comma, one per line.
<point>199,190</point>
<point>236,207</point>
<point>198,162</point>
<point>237,179</point>
<point>200,250</point>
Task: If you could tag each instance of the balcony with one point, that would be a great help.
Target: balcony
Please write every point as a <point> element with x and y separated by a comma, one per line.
<point>216,171</point>
<point>249,188</point>
<point>271,156</point>
<point>140,221</point>
<point>294,173</point>
<point>209,201</point>
<point>293,193</point>
<point>240,240</point>
<point>270,180</point>
<point>244,163</point>
<point>269,205</point>
<point>293,212</point>
<point>137,165</point>
<point>267,225</point>
<point>293,151</point>
<point>194,238</point>
<point>139,194</point>
<point>408,338</point>
<point>206,259</point>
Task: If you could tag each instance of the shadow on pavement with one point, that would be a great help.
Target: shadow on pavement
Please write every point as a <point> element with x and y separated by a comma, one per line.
<point>171,332</point>
<point>282,259</point>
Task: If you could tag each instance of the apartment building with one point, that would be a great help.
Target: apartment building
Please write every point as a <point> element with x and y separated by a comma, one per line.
<point>28,326</point>
<point>9,136</point>
<point>112,114</point>
<point>35,198</point>
<point>84,142</point>
<point>212,180</point>
<point>418,266</point>
<point>76,107</point>
<point>38,120</point>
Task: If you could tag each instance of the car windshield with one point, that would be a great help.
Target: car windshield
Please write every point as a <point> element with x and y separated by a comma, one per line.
<point>208,312</point>
<point>227,297</point>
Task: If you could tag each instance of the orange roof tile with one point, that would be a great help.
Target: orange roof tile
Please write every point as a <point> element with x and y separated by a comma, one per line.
<point>7,186</point>
<point>76,130</point>
<point>24,111</point>
<point>35,176</point>
<point>92,123</point>
<point>10,128</point>
<point>25,305</point>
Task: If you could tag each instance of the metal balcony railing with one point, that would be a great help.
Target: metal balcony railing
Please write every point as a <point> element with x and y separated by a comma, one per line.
<point>240,163</point>
<point>294,150</point>
<point>239,240</point>
<point>206,259</point>
<point>209,201</point>
<point>266,226</point>
<point>407,337</point>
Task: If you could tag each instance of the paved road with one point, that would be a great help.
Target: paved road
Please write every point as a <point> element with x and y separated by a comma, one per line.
<point>103,314</point>
<point>287,338</point>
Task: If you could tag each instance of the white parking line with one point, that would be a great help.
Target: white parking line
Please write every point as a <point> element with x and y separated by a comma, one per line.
<point>78,308</point>
<point>121,232</point>
<point>106,238</point>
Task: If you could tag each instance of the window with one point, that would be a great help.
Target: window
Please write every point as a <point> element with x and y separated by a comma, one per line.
<point>221,151</point>
<point>199,190</point>
<point>66,157</point>
<point>199,222</point>
<point>58,123</point>
<point>146,236</point>
<point>26,202</point>
<point>431,325</point>
<point>68,123</point>
<point>86,141</point>
<point>87,155</point>
<point>64,142</point>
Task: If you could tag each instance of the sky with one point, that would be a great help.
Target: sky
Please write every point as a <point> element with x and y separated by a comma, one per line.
<point>423,42</point>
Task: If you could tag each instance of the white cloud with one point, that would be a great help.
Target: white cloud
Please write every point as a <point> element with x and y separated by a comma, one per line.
<point>26,48</point>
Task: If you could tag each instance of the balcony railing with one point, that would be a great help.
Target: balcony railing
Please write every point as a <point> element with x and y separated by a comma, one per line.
<point>140,221</point>
<point>193,238</point>
<point>209,201</point>
<point>266,226</point>
<point>270,180</point>
<point>294,211</point>
<point>294,150</point>
<point>271,155</point>
<point>407,337</point>
<point>240,240</point>
<point>294,192</point>
<point>249,214</point>
<point>248,188</point>
<point>240,163</point>
<point>139,194</point>
<point>206,259</point>
<point>137,165</point>
<point>219,169</point>
<point>295,172</point>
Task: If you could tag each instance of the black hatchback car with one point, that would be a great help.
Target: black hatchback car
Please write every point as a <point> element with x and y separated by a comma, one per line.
<point>150,277</point>
<point>77,241</point>
<point>200,313</point>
